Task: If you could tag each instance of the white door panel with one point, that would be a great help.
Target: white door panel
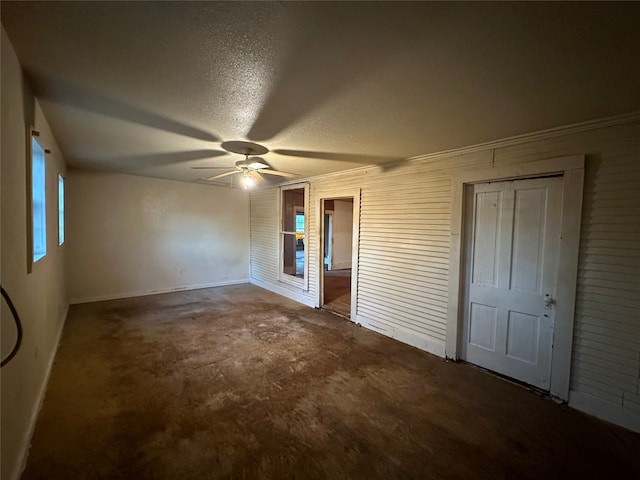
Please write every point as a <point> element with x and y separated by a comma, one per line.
<point>513,238</point>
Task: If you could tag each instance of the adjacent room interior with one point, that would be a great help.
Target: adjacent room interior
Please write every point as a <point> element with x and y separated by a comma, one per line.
<point>337,254</point>
<point>320,240</point>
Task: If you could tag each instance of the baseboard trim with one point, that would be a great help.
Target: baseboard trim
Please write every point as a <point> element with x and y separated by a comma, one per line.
<point>26,440</point>
<point>142,293</point>
<point>430,346</point>
<point>605,410</point>
<point>285,292</point>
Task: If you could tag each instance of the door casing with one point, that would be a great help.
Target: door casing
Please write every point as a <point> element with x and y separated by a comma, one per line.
<point>572,170</point>
<point>327,231</point>
<point>320,197</point>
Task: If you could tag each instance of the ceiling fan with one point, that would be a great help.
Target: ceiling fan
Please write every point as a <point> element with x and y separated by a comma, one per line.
<point>251,168</point>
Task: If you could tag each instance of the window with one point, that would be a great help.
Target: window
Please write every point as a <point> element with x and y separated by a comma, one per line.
<point>293,227</point>
<point>300,222</point>
<point>38,203</point>
<point>60,210</point>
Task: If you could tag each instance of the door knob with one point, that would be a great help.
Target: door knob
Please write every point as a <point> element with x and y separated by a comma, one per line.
<point>548,300</point>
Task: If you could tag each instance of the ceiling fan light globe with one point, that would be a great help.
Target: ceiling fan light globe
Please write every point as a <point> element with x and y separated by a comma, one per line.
<point>248,182</point>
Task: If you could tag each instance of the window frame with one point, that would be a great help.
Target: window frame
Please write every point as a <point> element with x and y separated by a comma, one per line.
<point>61,208</point>
<point>302,283</point>
<point>42,218</point>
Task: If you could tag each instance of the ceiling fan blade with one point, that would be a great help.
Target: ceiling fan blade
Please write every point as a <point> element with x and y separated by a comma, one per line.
<point>211,168</point>
<point>215,177</point>
<point>277,172</point>
<point>257,177</point>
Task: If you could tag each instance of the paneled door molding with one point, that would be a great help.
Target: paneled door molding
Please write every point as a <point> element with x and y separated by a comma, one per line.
<point>572,170</point>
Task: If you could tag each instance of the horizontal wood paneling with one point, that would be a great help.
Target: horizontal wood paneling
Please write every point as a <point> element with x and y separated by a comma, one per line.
<point>631,401</point>
<point>405,222</point>
<point>606,350</point>
<point>263,231</point>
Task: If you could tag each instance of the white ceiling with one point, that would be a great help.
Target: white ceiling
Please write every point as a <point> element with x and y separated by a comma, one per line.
<point>153,88</point>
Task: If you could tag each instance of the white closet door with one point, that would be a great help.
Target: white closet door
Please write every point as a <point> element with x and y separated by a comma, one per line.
<point>513,238</point>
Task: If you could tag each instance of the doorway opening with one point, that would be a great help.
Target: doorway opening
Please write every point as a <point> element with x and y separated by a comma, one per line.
<point>337,254</point>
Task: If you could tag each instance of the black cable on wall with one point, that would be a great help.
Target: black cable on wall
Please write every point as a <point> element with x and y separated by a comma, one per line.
<point>16,319</point>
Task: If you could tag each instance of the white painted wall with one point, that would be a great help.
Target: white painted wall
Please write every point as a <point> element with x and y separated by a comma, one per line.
<point>40,297</point>
<point>405,243</point>
<point>342,234</point>
<point>130,236</point>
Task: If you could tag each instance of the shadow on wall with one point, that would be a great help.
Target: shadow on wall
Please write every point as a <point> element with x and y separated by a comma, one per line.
<point>29,105</point>
<point>592,164</point>
<point>62,92</point>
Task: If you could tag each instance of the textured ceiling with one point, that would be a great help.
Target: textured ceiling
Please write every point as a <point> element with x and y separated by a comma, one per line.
<point>154,88</point>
